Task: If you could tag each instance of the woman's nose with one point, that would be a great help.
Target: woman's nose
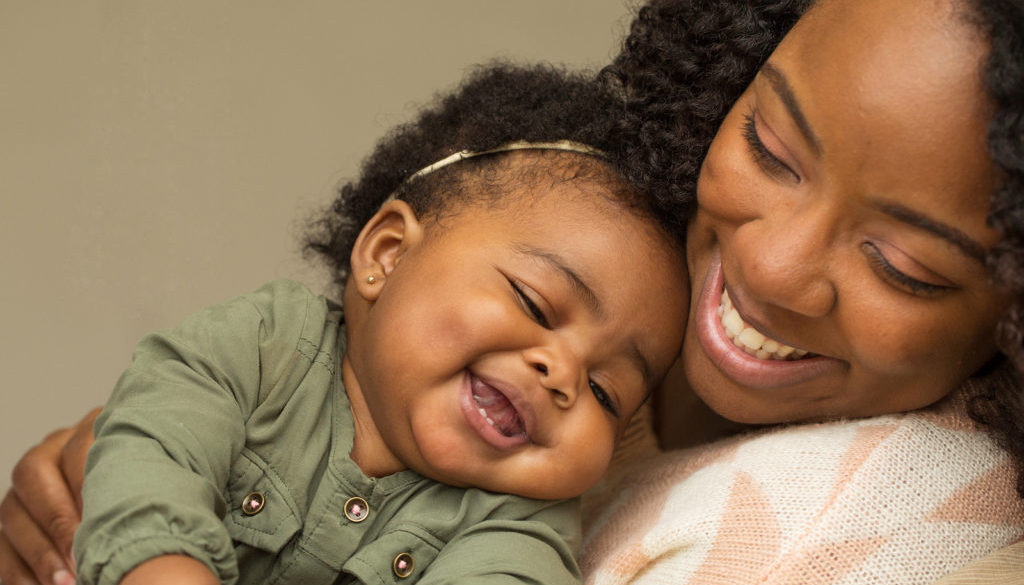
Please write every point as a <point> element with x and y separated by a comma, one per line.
<point>558,370</point>
<point>785,260</point>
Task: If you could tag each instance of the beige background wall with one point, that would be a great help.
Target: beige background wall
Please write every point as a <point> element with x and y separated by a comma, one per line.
<point>156,157</point>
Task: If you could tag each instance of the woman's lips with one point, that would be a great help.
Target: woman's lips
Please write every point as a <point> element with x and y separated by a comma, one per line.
<point>497,412</point>
<point>737,363</point>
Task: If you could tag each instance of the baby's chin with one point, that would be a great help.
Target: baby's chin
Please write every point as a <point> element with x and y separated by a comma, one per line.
<point>549,494</point>
<point>550,487</point>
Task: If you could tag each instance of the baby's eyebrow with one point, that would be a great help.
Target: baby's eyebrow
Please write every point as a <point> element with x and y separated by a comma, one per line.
<point>579,286</point>
<point>588,297</point>
<point>637,357</point>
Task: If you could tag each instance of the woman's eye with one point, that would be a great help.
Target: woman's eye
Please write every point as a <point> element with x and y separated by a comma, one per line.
<point>772,164</point>
<point>896,277</point>
<point>603,399</point>
<point>530,306</point>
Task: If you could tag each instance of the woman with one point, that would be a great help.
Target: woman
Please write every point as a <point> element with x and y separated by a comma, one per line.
<point>691,79</point>
<point>757,184</point>
<point>843,209</point>
<point>837,217</point>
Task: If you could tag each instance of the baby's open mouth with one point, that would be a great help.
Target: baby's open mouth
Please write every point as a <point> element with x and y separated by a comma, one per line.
<point>496,408</point>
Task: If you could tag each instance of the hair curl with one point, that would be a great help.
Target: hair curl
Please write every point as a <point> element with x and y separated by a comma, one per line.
<point>1002,21</point>
<point>497,104</point>
<point>681,68</point>
<point>684,64</point>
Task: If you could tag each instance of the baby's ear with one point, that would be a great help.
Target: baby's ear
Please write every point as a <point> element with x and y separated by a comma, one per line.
<point>389,234</point>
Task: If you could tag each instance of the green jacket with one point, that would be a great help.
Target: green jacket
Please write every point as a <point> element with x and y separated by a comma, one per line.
<point>228,440</point>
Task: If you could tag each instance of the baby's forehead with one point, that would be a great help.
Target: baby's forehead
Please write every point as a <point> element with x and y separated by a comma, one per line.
<point>589,179</point>
<point>529,173</point>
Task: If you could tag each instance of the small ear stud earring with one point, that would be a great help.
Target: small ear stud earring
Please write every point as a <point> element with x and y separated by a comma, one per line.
<point>371,279</point>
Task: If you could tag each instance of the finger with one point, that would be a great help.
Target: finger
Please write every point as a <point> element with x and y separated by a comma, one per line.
<point>28,548</point>
<point>12,570</point>
<point>43,493</point>
<point>74,452</point>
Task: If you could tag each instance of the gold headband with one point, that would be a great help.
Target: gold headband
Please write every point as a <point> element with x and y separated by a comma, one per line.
<point>567,145</point>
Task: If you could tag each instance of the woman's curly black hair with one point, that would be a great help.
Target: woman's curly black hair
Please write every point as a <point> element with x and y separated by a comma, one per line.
<point>686,62</point>
<point>497,104</point>
<point>683,65</point>
<point>1003,23</point>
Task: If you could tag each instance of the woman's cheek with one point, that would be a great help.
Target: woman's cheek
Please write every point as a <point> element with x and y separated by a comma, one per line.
<point>905,339</point>
<point>728,186</point>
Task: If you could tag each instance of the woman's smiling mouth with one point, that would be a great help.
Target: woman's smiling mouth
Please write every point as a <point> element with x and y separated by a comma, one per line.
<point>742,353</point>
<point>751,340</point>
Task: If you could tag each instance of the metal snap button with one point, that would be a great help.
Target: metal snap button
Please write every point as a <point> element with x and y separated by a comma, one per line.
<point>253,503</point>
<point>402,565</point>
<point>356,509</point>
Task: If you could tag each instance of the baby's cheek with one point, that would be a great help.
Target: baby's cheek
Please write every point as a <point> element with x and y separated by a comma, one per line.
<point>593,458</point>
<point>477,312</point>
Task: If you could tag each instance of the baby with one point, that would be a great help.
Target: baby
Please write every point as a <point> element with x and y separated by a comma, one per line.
<point>509,301</point>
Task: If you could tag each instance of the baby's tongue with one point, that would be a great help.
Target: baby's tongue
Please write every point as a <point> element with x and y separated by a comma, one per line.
<point>498,410</point>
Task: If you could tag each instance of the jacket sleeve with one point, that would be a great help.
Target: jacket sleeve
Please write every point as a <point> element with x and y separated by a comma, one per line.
<point>166,439</point>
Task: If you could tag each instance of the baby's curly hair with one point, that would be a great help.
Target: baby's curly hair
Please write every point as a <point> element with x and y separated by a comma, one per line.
<point>497,104</point>
<point>686,62</point>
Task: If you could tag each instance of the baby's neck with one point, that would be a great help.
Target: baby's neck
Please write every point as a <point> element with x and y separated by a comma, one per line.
<point>369,451</point>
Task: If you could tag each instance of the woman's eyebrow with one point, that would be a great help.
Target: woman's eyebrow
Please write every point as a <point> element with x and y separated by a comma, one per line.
<point>966,244</point>
<point>969,246</point>
<point>782,88</point>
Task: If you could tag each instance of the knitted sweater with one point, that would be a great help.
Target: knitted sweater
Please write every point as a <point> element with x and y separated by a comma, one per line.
<point>898,499</point>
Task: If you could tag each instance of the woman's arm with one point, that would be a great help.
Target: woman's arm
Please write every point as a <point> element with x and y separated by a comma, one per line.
<point>40,513</point>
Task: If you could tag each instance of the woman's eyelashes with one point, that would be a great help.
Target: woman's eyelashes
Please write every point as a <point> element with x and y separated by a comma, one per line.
<point>896,277</point>
<point>764,157</point>
<point>774,166</point>
<point>529,305</point>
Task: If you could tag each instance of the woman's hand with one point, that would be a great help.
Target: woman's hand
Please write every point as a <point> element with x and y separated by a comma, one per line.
<point>40,513</point>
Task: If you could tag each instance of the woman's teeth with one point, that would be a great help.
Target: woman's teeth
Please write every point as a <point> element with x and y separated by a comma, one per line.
<point>751,340</point>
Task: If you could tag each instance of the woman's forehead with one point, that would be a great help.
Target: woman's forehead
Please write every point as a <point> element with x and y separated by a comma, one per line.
<point>927,33</point>
<point>894,89</point>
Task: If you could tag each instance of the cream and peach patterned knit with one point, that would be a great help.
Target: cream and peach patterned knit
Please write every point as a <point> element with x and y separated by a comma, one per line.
<point>900,499</point>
